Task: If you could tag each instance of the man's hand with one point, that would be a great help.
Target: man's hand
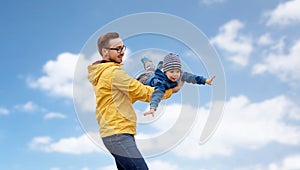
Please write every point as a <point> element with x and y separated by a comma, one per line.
<point>151,111</point>
<point>178,87</point>
<point>210,80</point>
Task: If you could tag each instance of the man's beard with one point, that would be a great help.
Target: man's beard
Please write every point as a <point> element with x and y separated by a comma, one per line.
<point>113,60</point>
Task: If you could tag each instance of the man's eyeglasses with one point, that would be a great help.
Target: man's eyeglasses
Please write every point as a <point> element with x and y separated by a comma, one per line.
<point>119,50</point>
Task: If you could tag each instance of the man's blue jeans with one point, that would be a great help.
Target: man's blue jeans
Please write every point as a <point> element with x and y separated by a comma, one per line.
<point>125,152</point>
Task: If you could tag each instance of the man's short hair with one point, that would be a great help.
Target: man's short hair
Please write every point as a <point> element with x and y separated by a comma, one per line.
<point>104,40</point>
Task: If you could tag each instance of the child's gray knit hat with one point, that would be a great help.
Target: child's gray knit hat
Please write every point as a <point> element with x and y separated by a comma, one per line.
<point>171,61</point>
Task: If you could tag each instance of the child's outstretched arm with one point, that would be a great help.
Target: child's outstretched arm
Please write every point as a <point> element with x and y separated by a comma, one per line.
<point>174,90</point>
<point>210,80</point>
<point>156,97</point>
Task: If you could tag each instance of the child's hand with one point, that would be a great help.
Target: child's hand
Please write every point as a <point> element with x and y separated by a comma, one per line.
<point>151,111</point>
<point>210,80</point>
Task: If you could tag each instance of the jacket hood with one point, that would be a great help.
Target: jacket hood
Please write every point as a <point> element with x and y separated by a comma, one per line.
<point>161,75</point>
<point>96,69</point>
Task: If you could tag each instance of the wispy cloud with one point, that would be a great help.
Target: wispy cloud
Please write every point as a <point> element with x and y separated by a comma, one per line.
<point>283,65</point>
<point>72,145</point>
<point>153,165</point>
<point>156,165</point>
<point>66,76</point>
<point>236,46</point>
<point>28,107</point>
<point>4,111</point>
<point>58,78</point>
<point>209,2</point>
<point>246,124</point>
<point>265,39</point>
<point>55,168</point>
<point>54,115</point>
<point>289,162</point>
<point>284,14</point>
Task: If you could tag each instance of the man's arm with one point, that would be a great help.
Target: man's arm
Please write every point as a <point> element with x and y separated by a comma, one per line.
<point>133,88</point>
<point>178,87</point>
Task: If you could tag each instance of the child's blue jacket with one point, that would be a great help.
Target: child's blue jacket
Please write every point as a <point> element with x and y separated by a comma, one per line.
<point>161,83</point>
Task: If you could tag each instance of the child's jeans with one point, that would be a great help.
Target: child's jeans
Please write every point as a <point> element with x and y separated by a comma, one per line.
<point>149,71</point>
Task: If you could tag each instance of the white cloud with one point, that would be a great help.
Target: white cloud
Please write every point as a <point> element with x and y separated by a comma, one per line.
<point>237,47</point>
<point>85,168</point>
<point>286,13</point>
<point>169,127</point>
<point>291,162</point>
<point>58,78</point>
<point>53,115</point>
<point>4,111</point>
<point>157,165</point>
<point>55,168</point>
<point>190,54</point>
<point>245,125</point>
<point>39,141</point>
<point>265,39</point>
<point>153,165</point>
<point>109,167</point>
<point>284,65</point>
<point>169,117</point>
<point>208,2</point>
<point>72,145</point>
<point>84,98</point>
<point>67,77</point>
<point>28,107</point>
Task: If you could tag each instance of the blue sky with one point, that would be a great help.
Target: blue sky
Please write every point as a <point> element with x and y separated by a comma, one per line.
<point>258,43</point>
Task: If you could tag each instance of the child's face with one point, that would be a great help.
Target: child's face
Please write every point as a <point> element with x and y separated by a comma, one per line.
<point>173,75</point>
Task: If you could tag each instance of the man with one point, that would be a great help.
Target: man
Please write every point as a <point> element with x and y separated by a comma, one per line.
<point>115,92</point>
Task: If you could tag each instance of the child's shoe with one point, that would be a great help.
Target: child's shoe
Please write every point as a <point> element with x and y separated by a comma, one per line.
<point>144,59</point>
<point>148,64</point>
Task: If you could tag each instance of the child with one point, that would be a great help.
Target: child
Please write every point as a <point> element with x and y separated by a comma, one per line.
<point>167,75</point>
